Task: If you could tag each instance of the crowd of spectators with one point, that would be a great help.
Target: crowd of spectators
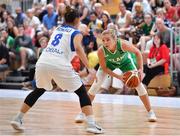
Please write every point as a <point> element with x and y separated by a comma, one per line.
<point>141,22</point>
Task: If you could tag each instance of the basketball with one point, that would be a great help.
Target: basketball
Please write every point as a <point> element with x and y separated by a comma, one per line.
<point>131,79</point>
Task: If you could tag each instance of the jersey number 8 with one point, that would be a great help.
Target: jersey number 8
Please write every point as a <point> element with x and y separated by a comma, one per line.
<point>56,40</point>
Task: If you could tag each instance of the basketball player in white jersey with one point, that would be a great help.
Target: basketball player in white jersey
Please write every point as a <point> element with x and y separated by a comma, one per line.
<point>55,63</point>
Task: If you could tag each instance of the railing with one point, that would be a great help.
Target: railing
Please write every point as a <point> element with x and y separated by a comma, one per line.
<point>175,44</point>
<point>13,4</point>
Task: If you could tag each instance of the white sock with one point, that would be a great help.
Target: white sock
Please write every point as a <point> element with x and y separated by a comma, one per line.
<point>20,115</point>
<point>90,119</point>
<point>82,113</point>
<point>151,111</point>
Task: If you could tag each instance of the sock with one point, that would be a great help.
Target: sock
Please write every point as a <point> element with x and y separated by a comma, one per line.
<point>20,115</point>
<point>151,111</point>
<point>90,119</point>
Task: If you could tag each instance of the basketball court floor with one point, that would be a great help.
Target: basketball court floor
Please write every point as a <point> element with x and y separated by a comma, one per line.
<point>119,115</point>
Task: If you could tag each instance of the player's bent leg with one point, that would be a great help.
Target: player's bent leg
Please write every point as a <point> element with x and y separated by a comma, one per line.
<point>95,87</point>
<point>29,101</point>
<point>145,99</point>
<point>86,107</point>
<point>80,118</point>
<point>34,96</point>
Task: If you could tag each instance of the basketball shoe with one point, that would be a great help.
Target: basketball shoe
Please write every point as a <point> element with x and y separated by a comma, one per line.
<point>16,123</point>
<point>80,118</point>
<point>94,128</point>
<point>151,116</point>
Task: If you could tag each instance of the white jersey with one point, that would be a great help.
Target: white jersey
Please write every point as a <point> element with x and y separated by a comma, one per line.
<point>60,48</point>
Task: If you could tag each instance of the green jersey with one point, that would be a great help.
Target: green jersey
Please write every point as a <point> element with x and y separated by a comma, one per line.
<point>119,59</point>
<point>10,42</point>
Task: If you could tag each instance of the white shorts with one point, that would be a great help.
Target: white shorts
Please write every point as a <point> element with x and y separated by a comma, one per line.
<point>65,77</point>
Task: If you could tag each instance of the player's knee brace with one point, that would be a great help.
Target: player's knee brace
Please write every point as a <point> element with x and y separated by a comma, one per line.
<point>141,90</point>
<point>83,96</point>
<point>33,96</point>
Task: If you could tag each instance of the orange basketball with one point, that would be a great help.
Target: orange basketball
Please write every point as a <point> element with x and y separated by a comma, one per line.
<point>131,79</point>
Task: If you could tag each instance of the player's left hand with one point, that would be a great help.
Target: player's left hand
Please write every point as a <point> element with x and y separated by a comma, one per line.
<point>92,71</point>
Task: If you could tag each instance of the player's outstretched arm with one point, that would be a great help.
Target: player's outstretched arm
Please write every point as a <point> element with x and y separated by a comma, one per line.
<point>79,49</point>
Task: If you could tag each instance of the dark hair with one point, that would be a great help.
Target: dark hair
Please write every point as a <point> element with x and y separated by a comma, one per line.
<point>108,21</point>
<point>93,13</point>
<point>160,37</point>
<point>3,6</point>
<point>71,14</point>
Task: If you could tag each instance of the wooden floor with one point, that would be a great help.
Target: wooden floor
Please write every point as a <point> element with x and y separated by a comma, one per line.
<point>49,117</point>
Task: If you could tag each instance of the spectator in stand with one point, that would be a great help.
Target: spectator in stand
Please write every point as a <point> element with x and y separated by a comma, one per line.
<point>163,30</point>
<point>3,22</point>
<point>2,9</point>
<point>28,30</point>
<point>20,17</point>
<point>155,4</point>
<point>170,11</point>
<point>33,21</point>
<point>43,44</point>
<point>105,20</point>
<point>146,28</point>
<point>158,60</point>
<point>4,56</point>
<point>89,39</point>
<point>23,47</point>
<point>128,4</point>
<point>123,20</point>
<point>6,15</point>
<point>50,19</point>
<point>40,11</point>
<point>95,23</point>
<point>61,10</point>
<point>12,29</point>
<point>83,10</point>
<point>160,13</point>
<point>137,20</point>
<point>7,39</point>
<point>98,9</point>
<point>145,5</point>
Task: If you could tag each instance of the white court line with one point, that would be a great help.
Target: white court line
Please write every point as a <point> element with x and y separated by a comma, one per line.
<point>100,98</point>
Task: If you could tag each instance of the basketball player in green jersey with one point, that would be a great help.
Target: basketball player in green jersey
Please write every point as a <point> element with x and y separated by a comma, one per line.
<point>117,53</point>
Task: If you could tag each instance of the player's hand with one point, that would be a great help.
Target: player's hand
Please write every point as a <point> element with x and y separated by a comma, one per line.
<point>92,71</point>
<point>120,77</point>
<point>141,74</point>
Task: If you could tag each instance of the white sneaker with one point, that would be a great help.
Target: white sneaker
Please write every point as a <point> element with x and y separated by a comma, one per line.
<point>152,116</point>
<point>94,128</point>
<point>80,118</point>
<point>17,124</point>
